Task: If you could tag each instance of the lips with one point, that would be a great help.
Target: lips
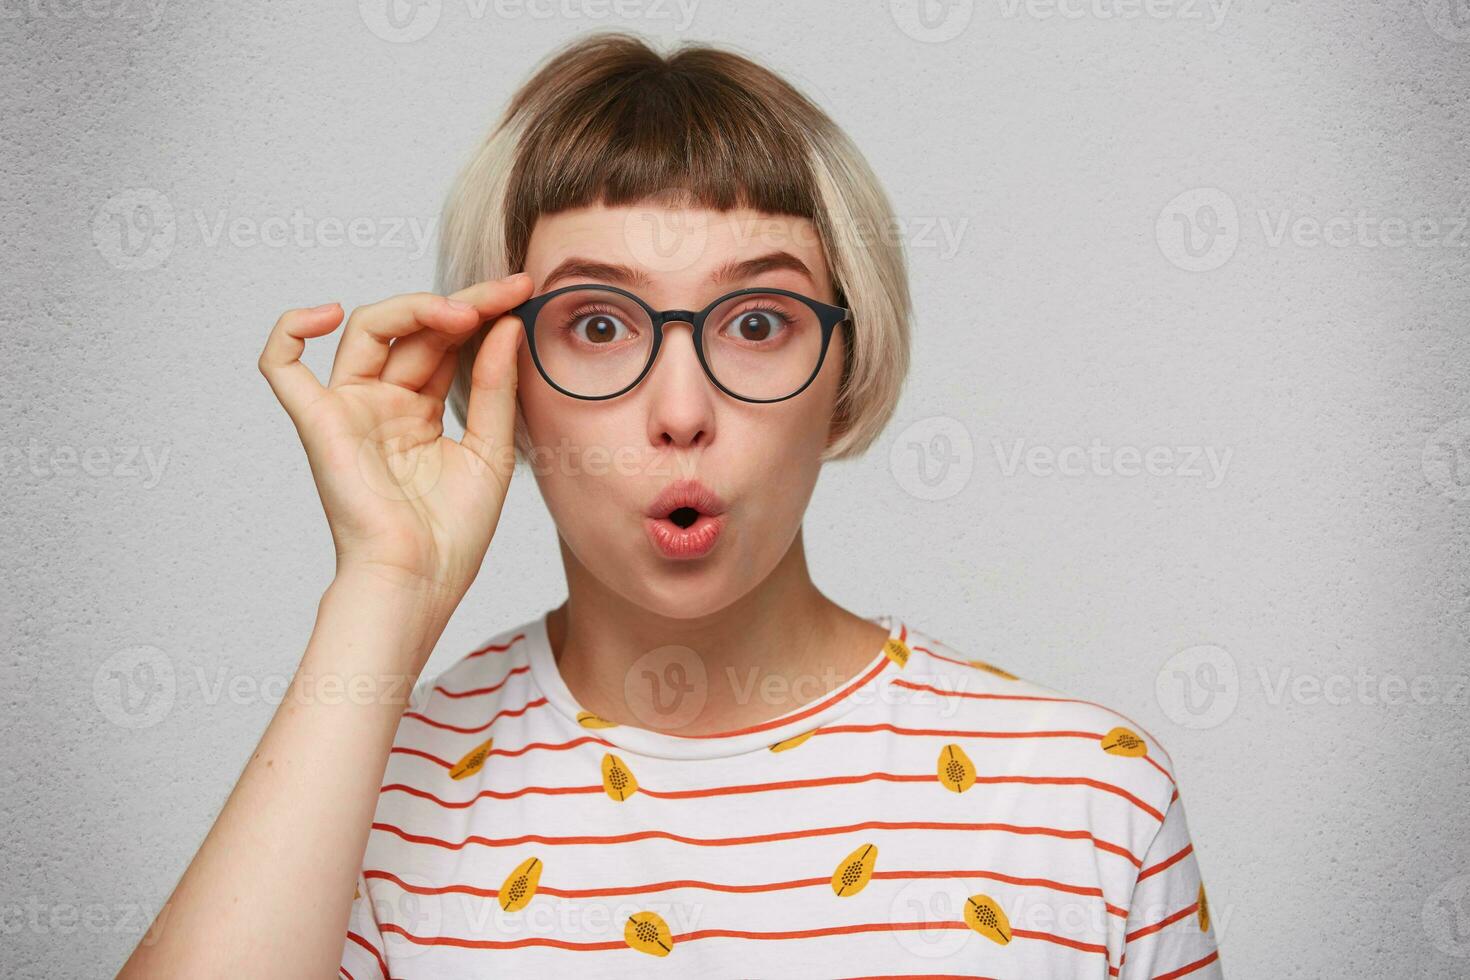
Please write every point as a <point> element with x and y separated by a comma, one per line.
<point>685,519</point>
<point>690,494</point>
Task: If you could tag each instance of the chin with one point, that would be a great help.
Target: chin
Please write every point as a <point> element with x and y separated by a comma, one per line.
<point>665,600</point>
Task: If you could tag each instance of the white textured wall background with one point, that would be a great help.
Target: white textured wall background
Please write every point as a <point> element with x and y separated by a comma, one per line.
<point>1035,155</point>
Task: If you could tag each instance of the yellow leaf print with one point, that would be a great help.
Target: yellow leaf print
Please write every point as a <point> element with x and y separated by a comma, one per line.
<point>986,917</point>
<point>897,651</point>
<point>588,720</point>
<point>1204,910</point>
<point>853,874</point>
<point>617,779</point>
<point>647,932</point>
<point>956,771</point>
<point>1123,741</point>
<point>473,761</point>
<point>992,669</point>
<point>793,741</point>
<point>519,886</point>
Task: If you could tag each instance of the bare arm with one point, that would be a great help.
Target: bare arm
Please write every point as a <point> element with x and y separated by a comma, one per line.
<point>270,889</point>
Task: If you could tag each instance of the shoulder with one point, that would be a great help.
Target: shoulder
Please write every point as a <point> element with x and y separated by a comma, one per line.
<point>951,690</point>
<point>491,671</point>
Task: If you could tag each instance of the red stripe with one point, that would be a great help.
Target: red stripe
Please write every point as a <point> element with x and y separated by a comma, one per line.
<point>659,886</point>
<point>382,964</point>
<point>549,746</point>
<point>1101,845</point>
<point>1164,864</point>
<point>1150,930</point>
<point>686,937</point>
<point>1190,968</point>
<point>1027,697</point>
<point>1153,762</point>
<point>484,690</point>
<point>689,794</point>
<point>1075,781</point>
<point>497,944</point>
<point>940,656</point>
<point>1009,879</point>
<point>979,696</point>
<point>826,730</point>
<point>376,875</point>
<point>950,732</point>
<point>343,970</point>
<point>509,794</point>
<point>1060,941</point>
<point>493,648</point>
<point>1130,721</point>
<point>507,713</point>
<point>818,933</point>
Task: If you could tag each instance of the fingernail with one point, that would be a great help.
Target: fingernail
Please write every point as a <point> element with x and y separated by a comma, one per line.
<point>322,309</point>
<point>517,277</point>
<point>460,304</point>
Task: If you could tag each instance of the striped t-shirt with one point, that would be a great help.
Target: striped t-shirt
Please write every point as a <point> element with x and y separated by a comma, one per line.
<point>933,816</point>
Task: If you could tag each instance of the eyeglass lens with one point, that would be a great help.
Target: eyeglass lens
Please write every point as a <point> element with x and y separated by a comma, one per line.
<point>595,342</point>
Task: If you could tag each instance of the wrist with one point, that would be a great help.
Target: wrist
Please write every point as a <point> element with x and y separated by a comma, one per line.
<point>406,593</point>
<point>394,618</point>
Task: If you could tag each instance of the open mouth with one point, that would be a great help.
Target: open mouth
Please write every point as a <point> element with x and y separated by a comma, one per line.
<point>685,532</point>
<point>685,520</point>
<point>684,516</point>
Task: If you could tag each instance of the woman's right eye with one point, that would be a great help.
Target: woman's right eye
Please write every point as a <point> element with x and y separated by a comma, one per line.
<point>599,328</point>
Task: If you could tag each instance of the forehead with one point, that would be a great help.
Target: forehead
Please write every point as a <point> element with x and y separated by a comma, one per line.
<point>662,242</point>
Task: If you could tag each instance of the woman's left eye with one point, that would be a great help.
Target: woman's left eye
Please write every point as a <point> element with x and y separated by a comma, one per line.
<point>756,326</point>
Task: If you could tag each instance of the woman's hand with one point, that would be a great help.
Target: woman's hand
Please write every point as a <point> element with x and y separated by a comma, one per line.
<point>408,508</point>
<point>269,892</point>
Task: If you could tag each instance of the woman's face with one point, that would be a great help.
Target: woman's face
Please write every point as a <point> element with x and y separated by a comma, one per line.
<point>601,465</point>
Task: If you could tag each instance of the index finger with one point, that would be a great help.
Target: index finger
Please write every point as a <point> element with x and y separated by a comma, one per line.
<point>371,329</point>
<point>493,297</point>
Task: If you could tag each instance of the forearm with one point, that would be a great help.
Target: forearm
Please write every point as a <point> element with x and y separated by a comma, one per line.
<point>270,889</point>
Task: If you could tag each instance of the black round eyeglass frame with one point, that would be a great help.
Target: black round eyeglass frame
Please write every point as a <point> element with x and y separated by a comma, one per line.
<point>828,316</point>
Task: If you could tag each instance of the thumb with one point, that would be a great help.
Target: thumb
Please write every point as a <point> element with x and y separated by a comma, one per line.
<point>490,415</point>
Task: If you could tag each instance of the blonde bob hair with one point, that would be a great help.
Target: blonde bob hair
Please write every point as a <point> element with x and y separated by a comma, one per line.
<point>608,119</point>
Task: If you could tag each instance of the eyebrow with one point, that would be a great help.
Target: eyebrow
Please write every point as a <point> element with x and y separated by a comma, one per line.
<point>576,267</point>
<point>770,262</point>
<point>579,268</point>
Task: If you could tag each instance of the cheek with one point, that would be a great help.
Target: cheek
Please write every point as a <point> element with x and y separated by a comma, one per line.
<point>581,430</point>
<point>817,405</point>
<point>552,419</point>
<point>786,441</point>
<point>580,450</point>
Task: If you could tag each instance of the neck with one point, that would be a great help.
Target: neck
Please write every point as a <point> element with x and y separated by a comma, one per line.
<point>777,647</point>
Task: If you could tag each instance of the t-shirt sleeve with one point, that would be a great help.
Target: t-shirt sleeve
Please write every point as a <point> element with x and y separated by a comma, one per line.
<point>362,953</point>
<point>1169,930</point>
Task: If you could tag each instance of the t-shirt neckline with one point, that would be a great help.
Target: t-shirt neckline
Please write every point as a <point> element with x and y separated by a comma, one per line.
<point>856,690</point>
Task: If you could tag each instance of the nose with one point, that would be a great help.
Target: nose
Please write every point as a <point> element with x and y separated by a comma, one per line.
<point>681,399</point>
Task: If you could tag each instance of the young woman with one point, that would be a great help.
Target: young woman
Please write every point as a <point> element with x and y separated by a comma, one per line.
<point>698,764</point>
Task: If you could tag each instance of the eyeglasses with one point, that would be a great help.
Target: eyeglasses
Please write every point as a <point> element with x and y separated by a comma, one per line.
<point>757,345</point>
